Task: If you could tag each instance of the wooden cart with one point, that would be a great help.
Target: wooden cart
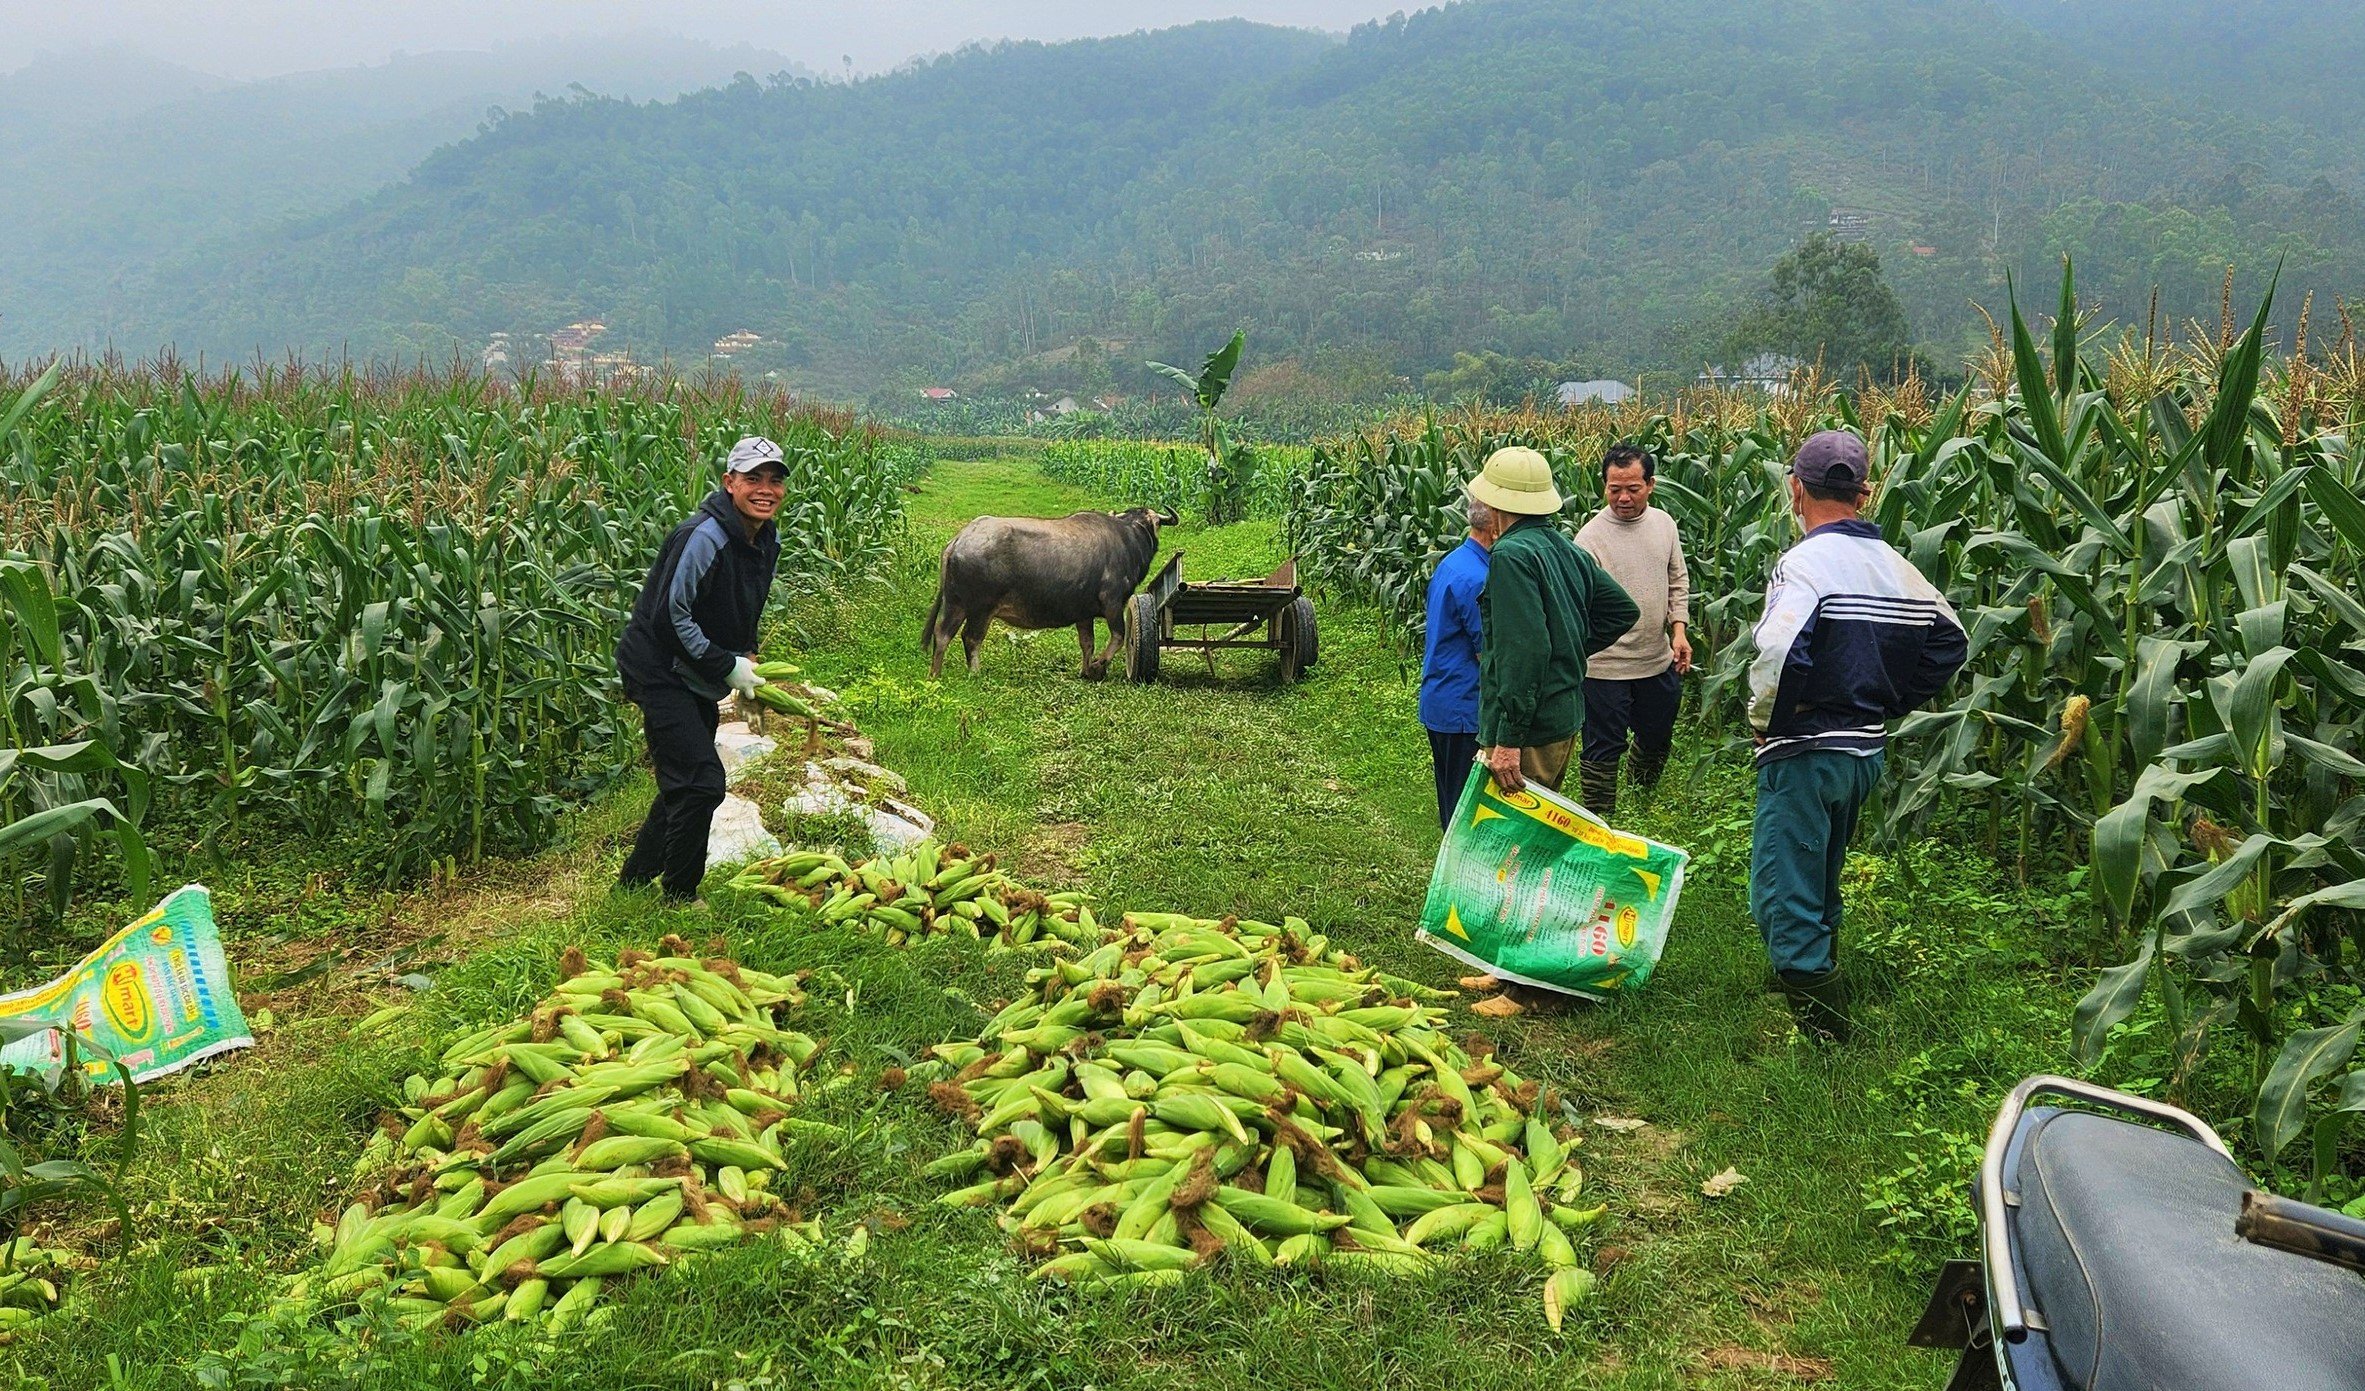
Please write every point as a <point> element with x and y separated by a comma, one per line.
<point>1271,613</point>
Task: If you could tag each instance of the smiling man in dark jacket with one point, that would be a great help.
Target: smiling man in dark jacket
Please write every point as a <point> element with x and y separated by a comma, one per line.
<point>690,641</point>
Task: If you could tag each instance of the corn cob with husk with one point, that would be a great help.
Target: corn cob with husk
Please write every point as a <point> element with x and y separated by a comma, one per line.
<point>784,695</point>
<point>929,889</point>
<point>634,1118</point>
<point>32,1280</point>
<point>1193,1090</point>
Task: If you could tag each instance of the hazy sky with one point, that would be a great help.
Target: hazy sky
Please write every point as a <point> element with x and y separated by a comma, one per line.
<point>258,38</point>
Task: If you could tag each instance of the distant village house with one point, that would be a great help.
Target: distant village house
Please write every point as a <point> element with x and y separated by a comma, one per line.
<point>1768,372</point>
<point>1606,393</point>
<point>1851,225</point>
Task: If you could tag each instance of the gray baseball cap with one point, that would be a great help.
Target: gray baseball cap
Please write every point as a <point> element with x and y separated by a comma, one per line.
<point>752,453</point>
<point>1834,459</point>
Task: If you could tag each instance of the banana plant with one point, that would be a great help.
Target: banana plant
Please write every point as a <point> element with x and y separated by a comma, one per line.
<point>1231,466</point>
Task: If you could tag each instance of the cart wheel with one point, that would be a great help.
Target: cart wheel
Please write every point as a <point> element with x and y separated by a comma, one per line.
<point>1300,644</point>
<point>1141,638</point>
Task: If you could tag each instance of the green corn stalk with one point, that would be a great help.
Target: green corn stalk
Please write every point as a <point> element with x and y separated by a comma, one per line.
<point>336,598</point>
<point>2158,570</point>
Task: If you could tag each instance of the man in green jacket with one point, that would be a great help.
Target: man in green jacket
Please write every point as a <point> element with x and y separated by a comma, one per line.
<point>1547,606</point>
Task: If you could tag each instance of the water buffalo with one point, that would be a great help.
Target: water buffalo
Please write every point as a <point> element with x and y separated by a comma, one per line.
<point>1041,572</point>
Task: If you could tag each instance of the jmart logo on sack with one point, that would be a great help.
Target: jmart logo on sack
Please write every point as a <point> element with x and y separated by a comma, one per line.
<point>125,998</point>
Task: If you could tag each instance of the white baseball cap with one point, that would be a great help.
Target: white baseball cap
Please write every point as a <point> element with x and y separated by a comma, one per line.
<point>752,453</point>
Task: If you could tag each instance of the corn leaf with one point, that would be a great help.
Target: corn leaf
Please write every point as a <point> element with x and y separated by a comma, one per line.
<point>2080,501</point>
<point>2250,710</point>
<point>2346,895</point>
<point>2065,336</point>
<point>2151,696</point>
<point>2342,604</point>
<point>2281,1113</point>
<point>33,609</point>
<point>41,826</point>
<point>2277,493</point>
<point>2339,507</point>
<point>2107,1005</point>
<point>2119,833</point>
<point>2036,397</point>
<point>2228,422</point>
<point>2220,879</point>
<point>2325,756</point>
<point>29,397</point>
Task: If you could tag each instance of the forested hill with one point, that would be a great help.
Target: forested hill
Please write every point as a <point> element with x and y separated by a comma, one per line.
<point>2290,62</point>
<point>1593,181</point>
<point>114,163</point>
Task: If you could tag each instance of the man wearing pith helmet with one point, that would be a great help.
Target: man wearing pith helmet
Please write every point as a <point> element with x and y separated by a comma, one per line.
<point>692,639</point>
<point>1853,637</point>
<point>1547,606</point>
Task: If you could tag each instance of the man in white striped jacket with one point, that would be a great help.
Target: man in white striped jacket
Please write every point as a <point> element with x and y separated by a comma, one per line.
<point>1853,637</point>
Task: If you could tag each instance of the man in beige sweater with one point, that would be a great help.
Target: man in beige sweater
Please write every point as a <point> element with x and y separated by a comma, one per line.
<point>1635,687</point>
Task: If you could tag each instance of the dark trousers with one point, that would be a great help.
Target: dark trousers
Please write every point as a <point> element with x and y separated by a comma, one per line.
<point>1646,708</point>
<point>1452,755</point>
<point>671,846</point>
<point>1807,806</point>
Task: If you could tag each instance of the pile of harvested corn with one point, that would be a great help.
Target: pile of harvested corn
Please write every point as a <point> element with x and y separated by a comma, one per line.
<point>29,1277</point>
<point>932,888</point>
<point>1192,1088</point>
<point>634,1117</point>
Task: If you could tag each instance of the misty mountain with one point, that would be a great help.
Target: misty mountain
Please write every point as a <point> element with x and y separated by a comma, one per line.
<point>114,161</point>
<point>1596,182</point>
<point>2291,62</point>
<point>59,92</point>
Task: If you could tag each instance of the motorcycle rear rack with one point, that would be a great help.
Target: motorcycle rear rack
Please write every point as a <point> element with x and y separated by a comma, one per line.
<point>2011,1317</point>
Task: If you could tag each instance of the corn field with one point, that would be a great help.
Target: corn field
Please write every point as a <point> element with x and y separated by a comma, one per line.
<point>377,608</point>
<point>1139,473</point>
<point>2156,547</point>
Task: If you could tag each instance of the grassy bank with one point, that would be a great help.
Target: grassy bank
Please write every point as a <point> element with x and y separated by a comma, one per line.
<point>1205,793</point>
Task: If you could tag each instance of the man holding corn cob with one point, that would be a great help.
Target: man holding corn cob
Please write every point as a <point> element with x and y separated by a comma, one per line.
<point>1853,637</point>
<point>691,640</point>
<point>1546,607</point>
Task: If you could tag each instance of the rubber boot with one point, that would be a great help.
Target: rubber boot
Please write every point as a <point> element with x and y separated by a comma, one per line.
<point>1819,1002</point>
<point>1646,767</point>
<point>1598,784</point>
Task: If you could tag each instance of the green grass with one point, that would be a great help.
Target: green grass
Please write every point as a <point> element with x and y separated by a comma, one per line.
<point>1211,794</point>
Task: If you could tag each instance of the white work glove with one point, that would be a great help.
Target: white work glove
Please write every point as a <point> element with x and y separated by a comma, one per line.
<point>743,678</point>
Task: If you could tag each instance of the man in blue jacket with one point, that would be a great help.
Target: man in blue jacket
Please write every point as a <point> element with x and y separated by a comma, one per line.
<point>1853,637</point>
<point>1449,665</point>
<point>690,641</point>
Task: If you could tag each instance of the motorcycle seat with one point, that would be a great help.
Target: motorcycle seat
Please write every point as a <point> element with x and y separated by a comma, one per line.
<point>2128,1253</point>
